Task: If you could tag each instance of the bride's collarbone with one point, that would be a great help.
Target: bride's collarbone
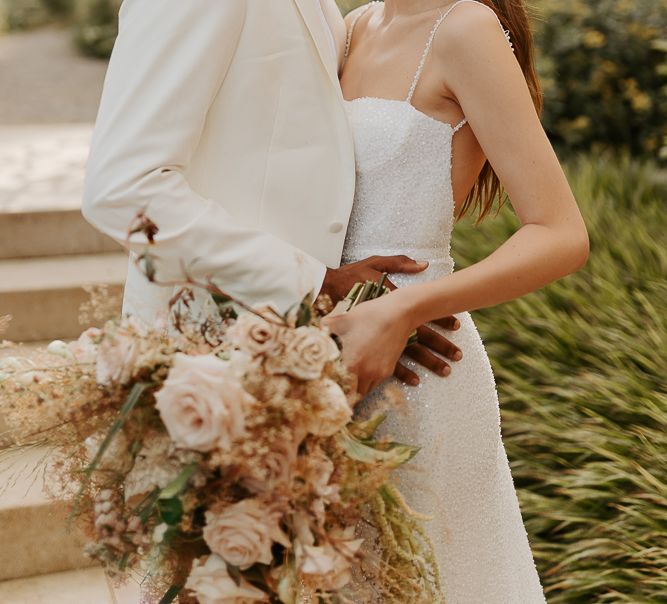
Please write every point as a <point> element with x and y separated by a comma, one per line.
<point>386,69</point>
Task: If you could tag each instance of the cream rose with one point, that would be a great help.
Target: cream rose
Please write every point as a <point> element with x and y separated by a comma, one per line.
<point>257,336</point>
<point>331,410</point>
<point>212,584</point>
<point>244,532</point>
<point>329,565</point>
<point>84,350</point>
<point>117,355</point>
<point>307,352</point>
<point>202,403</point>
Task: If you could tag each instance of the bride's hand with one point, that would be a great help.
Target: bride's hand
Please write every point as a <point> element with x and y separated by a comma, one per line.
<point>374,336</point>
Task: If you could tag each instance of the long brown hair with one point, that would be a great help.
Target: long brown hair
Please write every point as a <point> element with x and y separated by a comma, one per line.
<point>514,17</point>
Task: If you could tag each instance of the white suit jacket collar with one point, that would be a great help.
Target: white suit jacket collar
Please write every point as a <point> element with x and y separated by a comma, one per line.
<point>311,11</point>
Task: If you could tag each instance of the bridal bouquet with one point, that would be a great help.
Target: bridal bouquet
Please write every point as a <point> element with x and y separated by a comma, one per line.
<point>220,461</point>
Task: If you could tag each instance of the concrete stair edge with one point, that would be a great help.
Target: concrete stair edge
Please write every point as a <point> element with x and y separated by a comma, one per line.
<point>33,526</point>
<point>44,295</point>
<point>50,233</point>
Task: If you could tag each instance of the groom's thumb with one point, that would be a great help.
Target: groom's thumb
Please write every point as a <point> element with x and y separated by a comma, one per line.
<point>398,264</point>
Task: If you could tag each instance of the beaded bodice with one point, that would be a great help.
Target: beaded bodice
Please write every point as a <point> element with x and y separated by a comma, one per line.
<point>404,202</point>
<point>404,199</point>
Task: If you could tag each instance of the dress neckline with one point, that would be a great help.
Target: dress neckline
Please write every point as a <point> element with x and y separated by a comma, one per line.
<point>403,102</point>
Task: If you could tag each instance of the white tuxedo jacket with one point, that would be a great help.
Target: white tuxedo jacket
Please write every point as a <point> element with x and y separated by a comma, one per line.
<point>225,120</point>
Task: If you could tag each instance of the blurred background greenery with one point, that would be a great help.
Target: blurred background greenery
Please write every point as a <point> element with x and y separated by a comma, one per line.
<point>581,364</point>
<point>603,64</point>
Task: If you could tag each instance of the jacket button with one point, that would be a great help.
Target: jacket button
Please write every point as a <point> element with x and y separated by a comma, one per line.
<point>335,227</point>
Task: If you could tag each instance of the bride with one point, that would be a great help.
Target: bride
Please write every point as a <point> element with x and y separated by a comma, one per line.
<point>444,102</point>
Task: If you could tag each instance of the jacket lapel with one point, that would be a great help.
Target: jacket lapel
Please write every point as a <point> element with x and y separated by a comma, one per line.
<point>311,13</point>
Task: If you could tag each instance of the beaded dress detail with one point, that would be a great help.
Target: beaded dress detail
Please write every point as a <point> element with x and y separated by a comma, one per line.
<point>404,204</point>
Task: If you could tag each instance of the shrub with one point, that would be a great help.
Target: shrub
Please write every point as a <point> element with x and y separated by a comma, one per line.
<point>23,14</point>
<point>604,69</point>
<point>580,367</point>
<point>347,5</point>
<point>96,25</point>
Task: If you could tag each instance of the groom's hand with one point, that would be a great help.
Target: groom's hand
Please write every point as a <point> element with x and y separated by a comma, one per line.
<point>431,347</point>
<point>339,281</point>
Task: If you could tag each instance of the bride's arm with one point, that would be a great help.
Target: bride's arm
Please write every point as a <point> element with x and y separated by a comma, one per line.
<point>168,64</point>
<point>552,241</point>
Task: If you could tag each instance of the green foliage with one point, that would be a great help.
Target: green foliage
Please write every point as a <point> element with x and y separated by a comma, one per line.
<point>96,25</point>
<point>347,5</point>
<point>581,367</point>
<point>25,14</point>
<point>603,65</point>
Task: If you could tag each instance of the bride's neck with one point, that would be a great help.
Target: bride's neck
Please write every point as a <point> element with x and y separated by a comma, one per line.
<point>397,8</point>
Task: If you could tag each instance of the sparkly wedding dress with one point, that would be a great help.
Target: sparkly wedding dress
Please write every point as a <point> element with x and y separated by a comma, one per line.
<point>404,205</point>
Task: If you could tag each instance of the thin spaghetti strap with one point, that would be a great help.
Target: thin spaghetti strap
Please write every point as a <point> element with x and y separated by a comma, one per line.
<point>429,44</point>
<point>360,12</point>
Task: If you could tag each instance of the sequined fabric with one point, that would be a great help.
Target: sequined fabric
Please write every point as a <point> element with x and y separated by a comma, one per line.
<point>404,205</point>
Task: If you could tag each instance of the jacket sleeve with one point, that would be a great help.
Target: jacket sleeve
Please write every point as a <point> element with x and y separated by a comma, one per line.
<point>169,62</point>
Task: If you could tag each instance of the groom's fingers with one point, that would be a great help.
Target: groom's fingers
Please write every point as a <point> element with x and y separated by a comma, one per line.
<point>437,343</point>
<point>427,359</point>
<point>405,375</point>
<point>449,323</point>
<point>396,264</point>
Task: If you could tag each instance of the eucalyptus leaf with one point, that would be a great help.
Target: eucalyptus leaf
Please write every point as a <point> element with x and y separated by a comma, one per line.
<point>170,510</point>
<point>145,508</point>
<point>391,454</point>
<point>366,429</point>
<point>225,306</point>
<point>288,588</point>
<point>304,315</point>
<point>176,486</point>
<point>171,594</point>
<point>235,573</point>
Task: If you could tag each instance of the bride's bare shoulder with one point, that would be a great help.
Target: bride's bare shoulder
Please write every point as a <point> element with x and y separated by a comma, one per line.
<point>471,26</point>
<point>352,17</point>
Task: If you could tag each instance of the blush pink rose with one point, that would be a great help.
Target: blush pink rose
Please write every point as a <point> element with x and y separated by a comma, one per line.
<point>307,352</point>
<point>202,403</point>
<point>244,532</point>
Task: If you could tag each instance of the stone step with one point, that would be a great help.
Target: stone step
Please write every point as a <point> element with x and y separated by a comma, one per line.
<point>50,233</point>
<point>41,560</point>
<point>33,528</point>
<point>44,295</point>
<point>88,586</point>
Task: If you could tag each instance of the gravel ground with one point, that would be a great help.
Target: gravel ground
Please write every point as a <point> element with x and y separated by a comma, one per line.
<point>43,79</point>
<point>48,104</point>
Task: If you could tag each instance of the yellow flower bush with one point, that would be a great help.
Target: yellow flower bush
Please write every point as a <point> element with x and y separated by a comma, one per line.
<point>604,69</point>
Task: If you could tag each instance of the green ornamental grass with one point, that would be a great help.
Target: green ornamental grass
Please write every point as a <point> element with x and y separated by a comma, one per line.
<point>581,367</point>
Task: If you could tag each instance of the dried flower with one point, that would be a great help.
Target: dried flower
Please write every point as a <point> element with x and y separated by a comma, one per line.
<point>84,349</point>
<point>331,410</point>
<point>211,583</point>
<point>159,532</point>
<point>329,565</point>
<point>274,468</point>
<point>116,358</point>
<point>308,351</point>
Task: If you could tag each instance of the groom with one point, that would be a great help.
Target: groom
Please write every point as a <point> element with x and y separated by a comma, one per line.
<point>224,120</point>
